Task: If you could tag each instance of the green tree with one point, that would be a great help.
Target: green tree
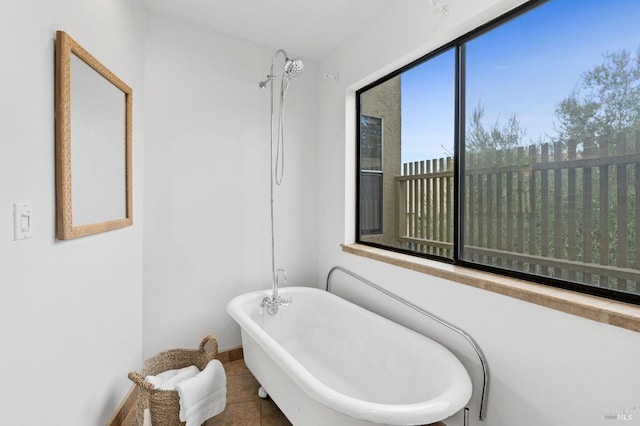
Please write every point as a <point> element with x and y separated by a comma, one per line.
<point>606,101</point>
<point>498,137</point>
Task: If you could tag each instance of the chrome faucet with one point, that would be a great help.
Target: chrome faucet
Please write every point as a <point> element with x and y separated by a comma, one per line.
<point>272,303</point>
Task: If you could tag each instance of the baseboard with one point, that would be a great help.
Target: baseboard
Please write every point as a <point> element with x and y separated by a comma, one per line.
<point>123,409</point>
<point>129,400</point>
<point>230,355</point>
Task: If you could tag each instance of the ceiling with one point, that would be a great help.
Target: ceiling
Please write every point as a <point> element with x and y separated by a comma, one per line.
<point>308,29</point>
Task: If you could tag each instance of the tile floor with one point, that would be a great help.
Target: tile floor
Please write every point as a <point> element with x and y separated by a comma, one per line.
<point>244,407</point>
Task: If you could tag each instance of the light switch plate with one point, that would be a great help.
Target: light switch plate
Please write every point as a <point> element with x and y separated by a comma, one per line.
<point>22,221</point>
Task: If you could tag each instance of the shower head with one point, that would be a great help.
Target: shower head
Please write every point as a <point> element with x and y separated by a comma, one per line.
<point>293,67</point>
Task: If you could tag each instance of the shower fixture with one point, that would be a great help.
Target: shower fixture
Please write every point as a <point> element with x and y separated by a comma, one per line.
<point>291,69</point>
<point>263,83</point>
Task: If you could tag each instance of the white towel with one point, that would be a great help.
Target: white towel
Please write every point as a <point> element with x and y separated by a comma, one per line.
<point>146,421</point>
<point>204,395</point>
<point>169,380</point>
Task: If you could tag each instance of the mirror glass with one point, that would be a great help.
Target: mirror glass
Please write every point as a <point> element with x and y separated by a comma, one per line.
<point>97,148</point>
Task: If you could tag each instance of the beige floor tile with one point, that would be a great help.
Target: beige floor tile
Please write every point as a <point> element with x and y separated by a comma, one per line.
<point>235,368</point>
<point>241,388</point>
<point>238,414</point>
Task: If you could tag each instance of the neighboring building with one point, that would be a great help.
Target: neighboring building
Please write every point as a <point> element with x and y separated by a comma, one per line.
<point>380,157</point>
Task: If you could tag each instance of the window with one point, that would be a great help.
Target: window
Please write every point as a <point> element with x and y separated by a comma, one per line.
<point>371,175</point>
<point>418,110</point>
<point>515,149</point>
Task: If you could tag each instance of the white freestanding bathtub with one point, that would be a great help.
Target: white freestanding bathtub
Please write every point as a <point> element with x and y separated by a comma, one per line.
<point>326,361</point>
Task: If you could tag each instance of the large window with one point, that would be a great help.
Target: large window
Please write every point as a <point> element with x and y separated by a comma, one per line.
<point>516,149</point>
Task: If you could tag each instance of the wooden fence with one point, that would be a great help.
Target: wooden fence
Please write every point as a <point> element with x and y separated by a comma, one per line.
<point>570,211</point>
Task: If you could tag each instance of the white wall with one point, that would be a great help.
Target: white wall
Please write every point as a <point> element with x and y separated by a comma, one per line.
<point>207,234</point>
<point>547,368</point>
<point>70,311</point>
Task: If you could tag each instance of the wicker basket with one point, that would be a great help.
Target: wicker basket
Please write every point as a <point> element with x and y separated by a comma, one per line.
<point>163,405</point>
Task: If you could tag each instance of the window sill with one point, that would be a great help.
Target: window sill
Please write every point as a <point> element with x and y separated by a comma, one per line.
<point>607,311</point>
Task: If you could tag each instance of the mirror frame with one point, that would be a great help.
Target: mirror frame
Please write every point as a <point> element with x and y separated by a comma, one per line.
<point>65,47</point>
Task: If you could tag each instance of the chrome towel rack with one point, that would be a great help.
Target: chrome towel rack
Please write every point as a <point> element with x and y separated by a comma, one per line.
<point>464,334</point>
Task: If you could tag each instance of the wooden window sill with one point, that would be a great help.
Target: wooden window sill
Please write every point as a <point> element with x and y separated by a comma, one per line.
<point>595,308</point>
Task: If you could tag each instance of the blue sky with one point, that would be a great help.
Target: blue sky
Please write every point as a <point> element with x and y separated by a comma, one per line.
<point>524,67</point>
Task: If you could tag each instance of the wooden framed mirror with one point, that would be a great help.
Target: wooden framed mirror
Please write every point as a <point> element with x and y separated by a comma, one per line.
<point>93,144</point>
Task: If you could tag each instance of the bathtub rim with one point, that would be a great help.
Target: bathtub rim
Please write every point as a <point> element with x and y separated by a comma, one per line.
<point>453,399</point>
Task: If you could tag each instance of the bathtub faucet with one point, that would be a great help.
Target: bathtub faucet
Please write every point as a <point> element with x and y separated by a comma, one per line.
<point>272,303</point>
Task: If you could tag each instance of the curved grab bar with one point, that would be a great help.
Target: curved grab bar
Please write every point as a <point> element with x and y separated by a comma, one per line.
<point>472,342</point>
